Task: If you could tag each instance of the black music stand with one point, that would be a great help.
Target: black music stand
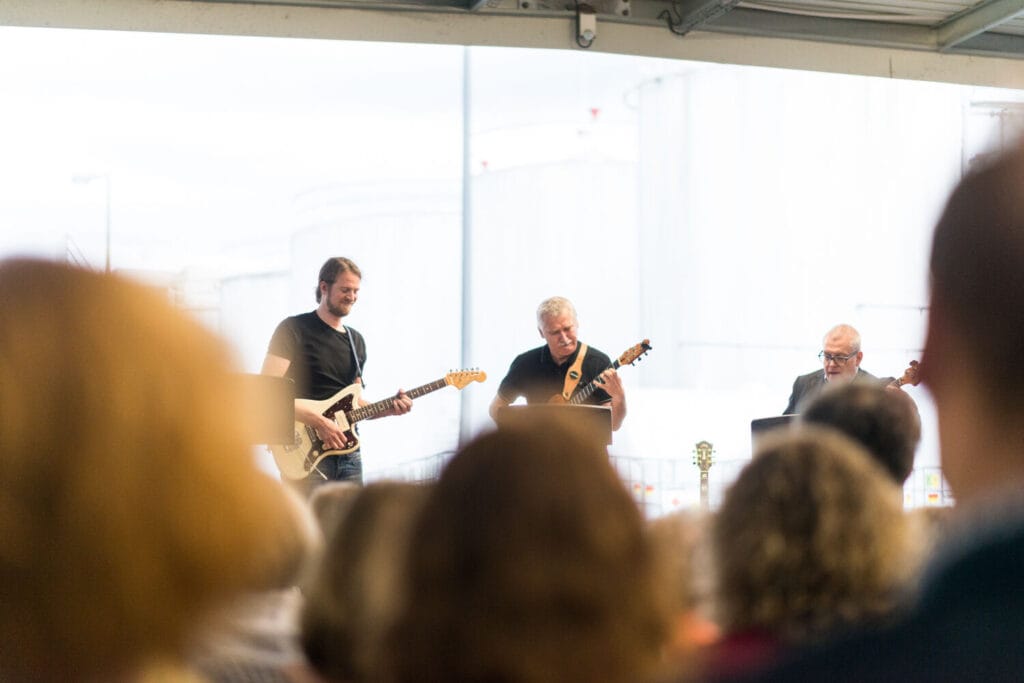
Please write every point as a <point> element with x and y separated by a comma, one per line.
<point>595,420</point>
<point>763,425</point>
<point>267,409</point>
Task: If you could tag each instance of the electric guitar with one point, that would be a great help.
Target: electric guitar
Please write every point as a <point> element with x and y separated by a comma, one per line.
<point>297,459</point>
<point>628,357</point>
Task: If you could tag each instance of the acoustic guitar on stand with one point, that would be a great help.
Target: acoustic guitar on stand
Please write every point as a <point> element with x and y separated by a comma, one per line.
<point>297,459</point>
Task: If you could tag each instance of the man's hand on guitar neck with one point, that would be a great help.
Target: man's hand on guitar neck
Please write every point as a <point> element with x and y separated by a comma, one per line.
<point>402,404</point>
<point>612,385</point>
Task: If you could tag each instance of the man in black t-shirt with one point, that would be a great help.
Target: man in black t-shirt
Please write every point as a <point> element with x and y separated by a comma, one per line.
<point>539,375</point>
<point>323,356</point>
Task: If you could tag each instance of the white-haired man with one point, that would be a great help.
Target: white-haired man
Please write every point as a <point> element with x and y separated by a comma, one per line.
<point>840,356</point>
<point>561,366</point>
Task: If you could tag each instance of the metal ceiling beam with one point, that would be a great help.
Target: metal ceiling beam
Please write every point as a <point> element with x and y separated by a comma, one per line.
<point>752,22</point>
<point>975,21</point>
<point>744,21</point>
<point>991,45</point>
<point>742,36</point>
<point>687,15</point>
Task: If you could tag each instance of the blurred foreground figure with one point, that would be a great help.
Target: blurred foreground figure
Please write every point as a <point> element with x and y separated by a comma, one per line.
<point>810,542</point>
<point>356,590</point>
<point>681,550</point>
<point>887,423</point>
<point>129,504</point>
<point>529,564</point>
<point>969,624</point>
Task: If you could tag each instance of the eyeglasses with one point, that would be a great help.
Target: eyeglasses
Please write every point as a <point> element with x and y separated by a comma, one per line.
<point>838,360</point>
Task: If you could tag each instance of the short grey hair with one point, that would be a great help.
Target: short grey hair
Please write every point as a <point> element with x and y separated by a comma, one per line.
<point>847,331</point>
<point>552,307</point>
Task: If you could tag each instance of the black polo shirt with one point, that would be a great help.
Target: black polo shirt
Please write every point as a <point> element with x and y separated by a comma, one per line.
<point>535,376</point>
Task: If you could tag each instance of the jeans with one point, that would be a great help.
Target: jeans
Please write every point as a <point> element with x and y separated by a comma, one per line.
<point>348,467</point>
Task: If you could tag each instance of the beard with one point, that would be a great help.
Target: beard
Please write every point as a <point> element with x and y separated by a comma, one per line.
<point>339,311</point>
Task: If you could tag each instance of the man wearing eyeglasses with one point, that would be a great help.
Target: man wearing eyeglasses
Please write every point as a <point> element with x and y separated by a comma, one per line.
<point>841,355</point>
<point>967,619</point>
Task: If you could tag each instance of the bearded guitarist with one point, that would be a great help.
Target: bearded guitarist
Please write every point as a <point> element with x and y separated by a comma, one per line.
<point>555,371</point>
<point>323,356</point>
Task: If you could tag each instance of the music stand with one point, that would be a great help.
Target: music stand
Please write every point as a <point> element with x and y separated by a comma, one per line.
<point>594,420</point>
<point>267,408</point>
<point>763,425</point>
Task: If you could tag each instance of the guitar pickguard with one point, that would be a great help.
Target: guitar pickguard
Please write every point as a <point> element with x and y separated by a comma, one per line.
<point>298,459</point>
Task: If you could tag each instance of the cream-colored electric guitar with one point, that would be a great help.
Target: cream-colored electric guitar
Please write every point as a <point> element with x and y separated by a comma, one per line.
<point>296,460</point>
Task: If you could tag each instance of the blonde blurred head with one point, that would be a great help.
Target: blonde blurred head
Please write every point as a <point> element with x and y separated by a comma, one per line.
<point>810,539</point>
<point>128,499</point>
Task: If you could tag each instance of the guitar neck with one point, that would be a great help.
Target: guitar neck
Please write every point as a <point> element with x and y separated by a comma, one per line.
<point>583,394</point>
<point>382,407</point>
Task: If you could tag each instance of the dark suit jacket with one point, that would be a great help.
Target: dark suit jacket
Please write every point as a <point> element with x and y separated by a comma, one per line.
<point>968,626</point>
<point>810,385</point>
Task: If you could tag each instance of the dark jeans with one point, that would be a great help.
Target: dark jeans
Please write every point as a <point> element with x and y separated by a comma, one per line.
<point>347,467</point>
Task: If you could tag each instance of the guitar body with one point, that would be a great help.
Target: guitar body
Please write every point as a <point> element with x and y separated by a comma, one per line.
<point>299,458</point>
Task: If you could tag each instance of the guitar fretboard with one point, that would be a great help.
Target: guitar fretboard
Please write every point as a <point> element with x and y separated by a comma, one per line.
<point>583,394</point>
<point>384,406</point>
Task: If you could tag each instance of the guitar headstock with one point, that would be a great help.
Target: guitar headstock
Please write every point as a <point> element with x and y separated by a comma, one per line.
<point>911,376</point>
<point>703,455</point>
<point>635,352</point>
<point>461,378</point>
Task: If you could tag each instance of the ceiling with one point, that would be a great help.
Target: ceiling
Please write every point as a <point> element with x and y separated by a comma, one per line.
<point>990,27</point>
<point>980,43</point>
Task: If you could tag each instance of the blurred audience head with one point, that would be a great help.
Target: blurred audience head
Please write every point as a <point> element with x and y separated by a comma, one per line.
<point>331,500</point>
<point>529,564</point>
<point>810,539</point>
<point>974,330</point>
<point>356,591</point>
<point>683,578</point>
<point>885,422</point>
<point>129,502</point>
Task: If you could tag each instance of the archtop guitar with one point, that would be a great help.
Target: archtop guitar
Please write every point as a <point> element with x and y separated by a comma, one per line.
<point>628,357</point>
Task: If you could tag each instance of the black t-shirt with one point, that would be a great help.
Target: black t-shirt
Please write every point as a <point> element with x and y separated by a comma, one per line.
<point>535,376</point>
<point>321,356</point>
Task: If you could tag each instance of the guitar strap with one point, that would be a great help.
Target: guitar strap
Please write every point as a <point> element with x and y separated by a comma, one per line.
<point>355,360</point>
<point>572,377</point>
<point>355,355</point>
